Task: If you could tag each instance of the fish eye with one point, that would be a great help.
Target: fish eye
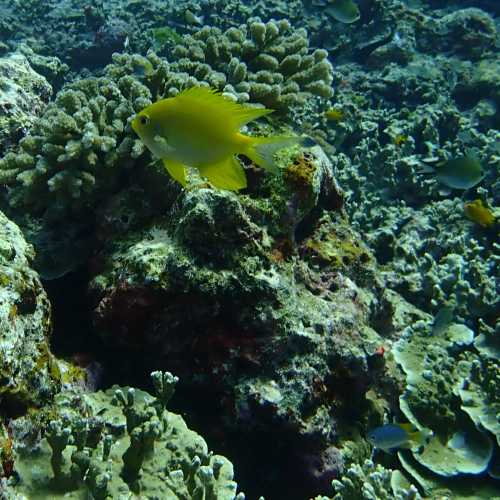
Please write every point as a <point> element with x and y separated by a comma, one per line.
<point>144,120</point>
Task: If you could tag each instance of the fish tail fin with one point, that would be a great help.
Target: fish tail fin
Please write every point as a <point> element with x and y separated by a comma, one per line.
<point>419,438</point>
<point>262,149</point>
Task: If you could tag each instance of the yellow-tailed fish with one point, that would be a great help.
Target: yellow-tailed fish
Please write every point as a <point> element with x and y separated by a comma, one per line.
<point>478,212</point>
<point>400,139</point>
<point>200,128</point>
<point>392,436</point>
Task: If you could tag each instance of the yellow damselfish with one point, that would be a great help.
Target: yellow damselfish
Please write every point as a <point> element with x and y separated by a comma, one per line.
<point>477,212</point>
<point>200,128</point>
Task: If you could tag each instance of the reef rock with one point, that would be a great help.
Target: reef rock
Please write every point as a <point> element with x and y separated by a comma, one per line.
<point>29,373</point>
<point>214,291</point>
<point>23,96</point>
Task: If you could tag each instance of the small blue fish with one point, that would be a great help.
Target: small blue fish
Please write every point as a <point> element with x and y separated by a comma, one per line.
<point>391,436</point>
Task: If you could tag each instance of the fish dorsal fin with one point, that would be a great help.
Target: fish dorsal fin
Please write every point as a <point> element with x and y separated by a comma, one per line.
<point>230,111</point>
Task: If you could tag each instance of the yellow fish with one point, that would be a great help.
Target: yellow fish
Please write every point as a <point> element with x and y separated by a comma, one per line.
<point>334,115</point>
<point>477,212</point>
<point>200,128</point>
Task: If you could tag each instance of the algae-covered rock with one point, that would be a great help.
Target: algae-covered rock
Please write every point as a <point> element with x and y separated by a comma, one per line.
<point>467,32</point>
<point>23,96</point>
<point>114,444</point>
<point>29,373</point>
<point>217,291</point>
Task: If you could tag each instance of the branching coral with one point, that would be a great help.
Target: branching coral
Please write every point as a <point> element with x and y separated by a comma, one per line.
<point>370,482</point>
<point>78,149</point>
<point>267,63</point>
<point>126,443</point>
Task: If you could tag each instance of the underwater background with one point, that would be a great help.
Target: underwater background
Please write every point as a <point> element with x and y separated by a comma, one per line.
<point>331,329</point>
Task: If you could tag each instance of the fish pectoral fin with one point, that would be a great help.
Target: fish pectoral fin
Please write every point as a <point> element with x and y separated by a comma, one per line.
<point>227,174</point>
<point>177,170</point>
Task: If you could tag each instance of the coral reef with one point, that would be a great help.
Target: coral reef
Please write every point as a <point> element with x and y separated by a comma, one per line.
<point>297,314</point>
<point>371,482</point>
<point>445,380</point>
<point>395,119</point>
<point>213,293</point>
<point>78,149</point>
<point>82,149</point>
<point>116,443</point>
<point>436,258</point>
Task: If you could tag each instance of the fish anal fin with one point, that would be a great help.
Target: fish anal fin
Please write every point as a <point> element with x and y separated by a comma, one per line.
<point>227,174</point>
<point>407,446</point>
<point>177,170</point>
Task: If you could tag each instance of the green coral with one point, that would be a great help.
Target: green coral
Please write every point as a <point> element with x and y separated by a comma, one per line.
<point>118,443</point>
